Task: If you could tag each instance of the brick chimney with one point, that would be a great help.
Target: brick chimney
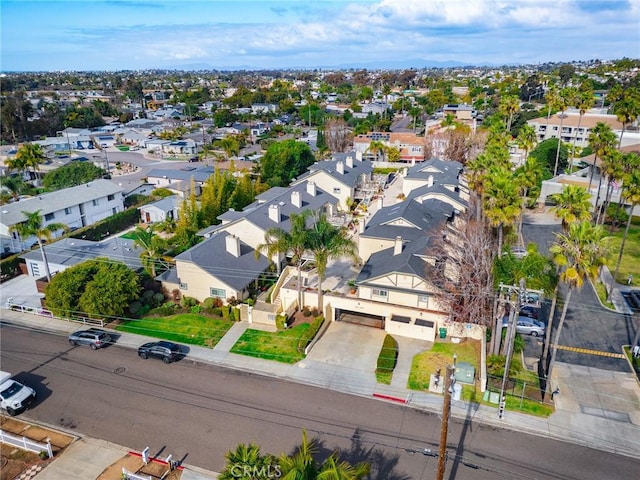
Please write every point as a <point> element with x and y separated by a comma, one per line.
<point>274,212</point>
<point>233,245</point>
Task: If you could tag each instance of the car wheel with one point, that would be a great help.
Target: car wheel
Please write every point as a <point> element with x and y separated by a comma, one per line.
<point>166,359</point>
<point>73,343</point>
<point>143,355</point>
<point>94,346</point>
<point>534,334</point>
<point>11,412</point>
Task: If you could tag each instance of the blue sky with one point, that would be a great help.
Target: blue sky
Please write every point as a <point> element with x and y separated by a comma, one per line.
<point>139,34</point>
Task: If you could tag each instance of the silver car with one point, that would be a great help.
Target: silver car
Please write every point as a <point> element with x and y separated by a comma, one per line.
<point>94,337</point>
<point>527,326</point>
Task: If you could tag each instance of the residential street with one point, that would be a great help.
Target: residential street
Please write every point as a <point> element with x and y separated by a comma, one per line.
<point>199,411</point>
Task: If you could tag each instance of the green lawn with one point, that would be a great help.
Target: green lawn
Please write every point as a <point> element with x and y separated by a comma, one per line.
<point>602,293</point>
<point>281,346</point>
<point>189,328</point>
<point>129,235</point>
<point>441,355</point>
<point>630,263</point>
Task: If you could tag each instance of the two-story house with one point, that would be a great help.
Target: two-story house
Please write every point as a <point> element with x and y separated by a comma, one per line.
<point>75,207</point>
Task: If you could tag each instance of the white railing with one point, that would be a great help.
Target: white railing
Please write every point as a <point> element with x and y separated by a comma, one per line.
<point>48,313</point>
<point>133,476</point>
<point>26,443</point>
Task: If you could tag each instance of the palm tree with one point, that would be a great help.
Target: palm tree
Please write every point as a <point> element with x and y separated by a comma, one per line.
<point>572,205</point>
<point>31,155</point>
<point>529,175</point>
<point>16,163</point>
<point>631,193</point>
<point>230,146</point>
<point>601,139</point>
<point>509,105</point>
<point>613,168</point>
<point>327,242</point>
<point>628,109</point>
<point>295,242</point>
<point>300,465</point>
<point>33,227</point>
<point>561,104</point>
<point>152,246</point>
<point>377,147</point>
<point>14,185</point>
<point>580,253</point>
<point>333,469</point>
<point>527,139</point>
<point>501,201</point>
<point>583,101</point>
<point>247,463</point>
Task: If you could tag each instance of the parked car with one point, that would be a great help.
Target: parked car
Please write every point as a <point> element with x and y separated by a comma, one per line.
<point>529,311</point>
<point>194,159</point>
<point>14,396</point>
<point>633,299</point>
<point>94,337</point>
<point>166,351</point>
<point>527,326</point>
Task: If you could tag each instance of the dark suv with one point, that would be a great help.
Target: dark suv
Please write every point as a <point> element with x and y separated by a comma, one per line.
<point>166,351</point>
<point>94,337</point>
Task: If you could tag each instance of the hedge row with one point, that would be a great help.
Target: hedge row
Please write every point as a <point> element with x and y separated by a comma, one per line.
<point>388,355</point>
<point>310,333</point>
<point>109,226</point>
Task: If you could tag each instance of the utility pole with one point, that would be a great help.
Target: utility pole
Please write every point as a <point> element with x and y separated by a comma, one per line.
<point>515,296</point>
<point>449,382</point>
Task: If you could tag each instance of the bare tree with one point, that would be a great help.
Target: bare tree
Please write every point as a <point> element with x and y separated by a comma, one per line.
<point>463,271</point>
<point>337,135</point>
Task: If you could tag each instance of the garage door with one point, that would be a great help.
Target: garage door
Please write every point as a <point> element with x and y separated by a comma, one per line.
<point>358,318</point>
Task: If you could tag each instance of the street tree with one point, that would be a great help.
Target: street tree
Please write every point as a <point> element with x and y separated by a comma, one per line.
<point>580,252</point>
<point>508,106</point>
<point>601,139</point>
<point>583,101</point>
<point>572,205</point>
<point>627,109</point>
<point>501,201</point>
<point>33,226</point>
<point>285,161</point>
<point>152,247</point>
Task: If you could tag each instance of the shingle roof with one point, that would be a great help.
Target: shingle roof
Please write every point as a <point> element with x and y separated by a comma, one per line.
<point>349,177</point>
<point>59,200</point>
<point>165,204</point>
<point>443,171</point>
<point>199,174</point>
<point>212,256</point>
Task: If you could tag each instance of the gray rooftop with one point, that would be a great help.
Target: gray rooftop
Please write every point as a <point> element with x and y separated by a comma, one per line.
<point>165,204</point>
<point>443,171</point>
<point>351,175</point>
<point>212,256</point>
<point>199,174</point>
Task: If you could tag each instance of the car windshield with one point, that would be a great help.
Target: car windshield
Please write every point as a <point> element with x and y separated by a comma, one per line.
<point>11,390</point>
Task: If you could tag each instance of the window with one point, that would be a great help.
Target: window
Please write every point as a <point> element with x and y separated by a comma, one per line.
<point>35,269</point>
<point>336,190</point>
<point>110,197</point>
<point>95,202</point>
<point>184,286</point>
<point>380,293</point>
<point>217,292</point>
<point>67,211</point>
<point>49,216</point>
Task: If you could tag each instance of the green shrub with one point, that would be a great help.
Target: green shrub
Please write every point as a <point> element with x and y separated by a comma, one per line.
<point>216,312</point>
<point>212,302</point>
<point>306,312</point>
<point>188,302</point>
<point>157,299</point>
<point>148,295</point>
<point>195,309</point>
<point>164,310</point>
<point>110,225</point>
<point>135,307</point>
<point>9,266</point>
<point>250,301</point>
<point>280,321</point>
<point>310,333</point>
<point>388,355</point>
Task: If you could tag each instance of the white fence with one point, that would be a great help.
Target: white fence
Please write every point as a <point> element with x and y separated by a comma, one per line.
<point>133,476</point>
<point>26,443</point>
<point>48,313</point>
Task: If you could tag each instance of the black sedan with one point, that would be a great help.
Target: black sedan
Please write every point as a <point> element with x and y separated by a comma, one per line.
<point>166,351</point>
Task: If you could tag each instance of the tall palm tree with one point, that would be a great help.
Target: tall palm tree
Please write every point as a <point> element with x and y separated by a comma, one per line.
<point>631,193</point>
<point>572,205</point>
<point>294,242</point>
<point>561,104</point>
<point>328,242</point>
<point>628,109</point>
<point>527,139</point>
<point>580,253</point>
<point>33,227</point>
<point>529,176</point>
<point>509,106</point>
<point>601,139</point>
<point>613,169</point>
<point>32,156</point>
<point>151,244</point>
<point>14,185</point>
<point>583,101</point>
<point>230,146</point>
<point>501,201</point>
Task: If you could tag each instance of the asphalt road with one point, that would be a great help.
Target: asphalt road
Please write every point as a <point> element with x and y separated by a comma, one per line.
<point>588,324</point>
<point>197,412</point>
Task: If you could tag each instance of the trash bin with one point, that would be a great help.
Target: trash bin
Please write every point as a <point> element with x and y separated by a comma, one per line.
<point>443,332</point>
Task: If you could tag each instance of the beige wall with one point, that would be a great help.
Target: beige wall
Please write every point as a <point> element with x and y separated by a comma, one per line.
<point>326,182</point>
<point>367,246</point>
<point>247,232</point>
<point>199,283</point>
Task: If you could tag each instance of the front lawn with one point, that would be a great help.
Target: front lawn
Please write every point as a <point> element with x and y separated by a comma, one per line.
<point>630,264</point>
<point>441,354</point>
<point>281,346</point>
<point>188,328</point>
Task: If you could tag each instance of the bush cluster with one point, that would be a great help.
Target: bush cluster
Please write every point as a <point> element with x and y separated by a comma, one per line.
<point>388,355</point>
